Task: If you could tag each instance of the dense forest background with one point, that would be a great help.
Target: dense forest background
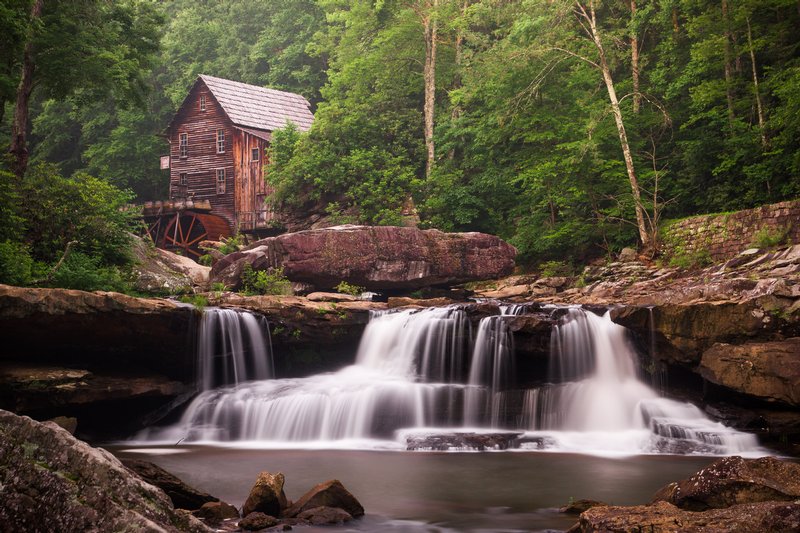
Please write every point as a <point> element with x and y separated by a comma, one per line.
<point>570,128</point>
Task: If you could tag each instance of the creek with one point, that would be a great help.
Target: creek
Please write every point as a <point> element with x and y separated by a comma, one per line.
<point>424,380</point>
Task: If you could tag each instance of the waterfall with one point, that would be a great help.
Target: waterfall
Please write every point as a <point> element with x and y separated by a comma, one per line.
<point>596,393</point>
<point>490,372</point>
<point>233,346</point>
<point>421,371</point>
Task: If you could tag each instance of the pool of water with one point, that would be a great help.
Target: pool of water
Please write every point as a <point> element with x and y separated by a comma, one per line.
<point>431,491</point>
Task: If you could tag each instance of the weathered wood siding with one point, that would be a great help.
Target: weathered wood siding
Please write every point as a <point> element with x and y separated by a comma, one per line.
<point>202,160</point>
<point>251,188</point>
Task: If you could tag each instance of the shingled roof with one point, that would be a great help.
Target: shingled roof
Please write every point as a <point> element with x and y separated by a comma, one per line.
<point>256,107</point>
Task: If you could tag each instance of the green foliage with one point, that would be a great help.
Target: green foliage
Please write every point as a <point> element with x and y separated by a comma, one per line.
<point>768,237</point>
<point>270,281</point>
<point>16,264</point>
<point>197,300</point>
<point>80,208</point>
<point>556,268</point>
<point>231,244</point>
<point>87,273</point>
<point>219,287</point>
<point>348,288</point>
<point>206,260</point>
<point>691,260</point>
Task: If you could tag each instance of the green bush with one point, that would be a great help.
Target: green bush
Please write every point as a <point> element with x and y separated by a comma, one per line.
<point>270,281</point>
<point>347,288</point>
<point>768,237</point>
<point>206,260</point>
<point>688,261</point>
<point>231,244</point>
<point>86,273</point>
<point>16,264</point>
<point>197,300</point>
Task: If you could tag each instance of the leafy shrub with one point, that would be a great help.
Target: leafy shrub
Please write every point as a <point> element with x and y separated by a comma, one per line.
<point>206,260</point>
<point>768,237</point>
<point>16,263</point>
<point>555,268</point>
<point>231,244</point>
<point>270,281</point>
<point>347,288</point>
<point>688,261</point>
<point>86,273</point>
<point>197,300</point>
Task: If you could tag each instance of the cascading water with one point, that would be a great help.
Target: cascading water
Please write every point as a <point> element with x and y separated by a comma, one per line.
<point>420,371</point>
<point>596,397</point>
<point>233,346</point>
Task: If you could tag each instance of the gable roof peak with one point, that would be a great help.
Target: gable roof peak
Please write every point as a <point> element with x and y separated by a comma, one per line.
<point>257,107</point>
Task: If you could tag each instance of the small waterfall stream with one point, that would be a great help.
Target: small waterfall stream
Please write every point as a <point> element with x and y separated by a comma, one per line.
<point>422,371</point>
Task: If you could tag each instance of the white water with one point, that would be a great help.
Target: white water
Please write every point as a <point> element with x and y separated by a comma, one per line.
<point>420,372</point>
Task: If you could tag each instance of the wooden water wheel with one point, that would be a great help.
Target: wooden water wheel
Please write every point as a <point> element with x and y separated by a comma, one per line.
<point>182,231</point>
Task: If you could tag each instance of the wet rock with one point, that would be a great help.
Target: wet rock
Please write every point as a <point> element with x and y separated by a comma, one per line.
<point>376,258</point>
<point>256,521</point>
<point>182,495</point>
<point>404,301</point>
<point>53,482</point>
<point>734,480</point>
<point>663,517</point>
<point>319,516</point>
<point>463,441</point>
<point>215,512</point>
<point>267,495</point>
<point>768,370</point>
<point>579,506</point>
<point>328,494</point>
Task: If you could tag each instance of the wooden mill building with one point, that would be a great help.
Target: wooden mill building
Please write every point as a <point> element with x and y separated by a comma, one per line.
<point>218,142</point>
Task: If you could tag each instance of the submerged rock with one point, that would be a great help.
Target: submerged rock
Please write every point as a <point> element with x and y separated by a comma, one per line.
<point>267,495</point>
<point>579,506</point>
<point>464,441</point>
<point>215,512</point>
<point>256,521</point>
<point>328,494</point>
<point>319,516</point>
<point>734,480</point>
<point>52,481</point>
<point>377,258</point>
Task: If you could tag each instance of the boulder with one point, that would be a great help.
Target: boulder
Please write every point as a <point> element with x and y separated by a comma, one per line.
<point>663,517</point>
<point>52,481</point>
<point>627,255</point>
<point>320,516</point>
<point>182,495</point>
<point>377,258</point>
<point>767,370</point>
<point>215,512</point>
<point>734,480</point>
<point>328,494</point>
<point>463,441</point>
<point>256,521</point>
<point>158,271</point>
<point>267,495</point>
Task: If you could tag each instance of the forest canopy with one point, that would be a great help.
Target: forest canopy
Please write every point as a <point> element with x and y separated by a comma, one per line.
<point>571,128</point>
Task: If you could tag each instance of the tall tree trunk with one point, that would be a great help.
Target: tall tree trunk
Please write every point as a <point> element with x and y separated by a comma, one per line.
<point>19,127</point>
<point>728,57</point>
<point>430,29</point>
<point>637,97</point>
<point>644,234</point>
<point>759,107</point>
<point>455,113</point>
<point>675,26</point>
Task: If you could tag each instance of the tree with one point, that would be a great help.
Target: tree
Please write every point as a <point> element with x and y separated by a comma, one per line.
<point>95,46</point>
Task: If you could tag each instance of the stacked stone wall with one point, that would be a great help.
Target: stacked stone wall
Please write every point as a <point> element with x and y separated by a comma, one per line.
<point>720,237</point>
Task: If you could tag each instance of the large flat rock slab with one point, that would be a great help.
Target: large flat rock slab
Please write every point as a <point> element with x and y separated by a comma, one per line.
<point>374,257</point>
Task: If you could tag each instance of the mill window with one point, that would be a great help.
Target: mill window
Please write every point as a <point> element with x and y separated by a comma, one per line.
<point>202,102</point>
<point>220,181</point>
<point>255,154</point>
<point>182,178</point>
<point>220,141</point>
<point>184,144</point>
